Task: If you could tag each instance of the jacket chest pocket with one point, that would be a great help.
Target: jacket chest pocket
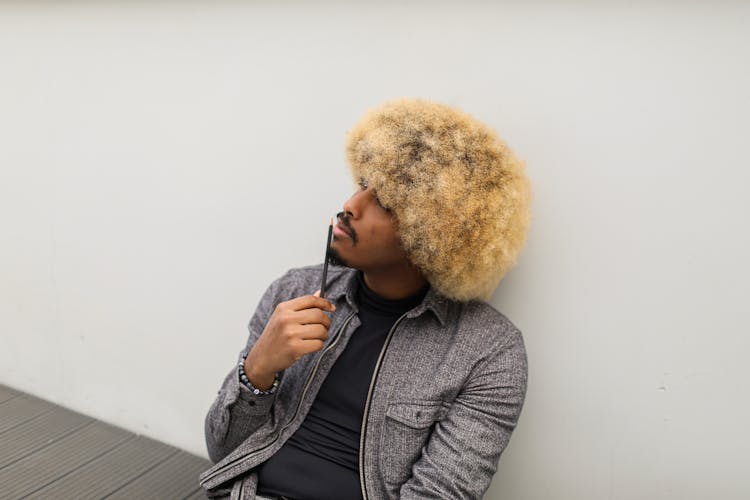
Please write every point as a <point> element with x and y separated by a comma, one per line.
<point>406,429</point>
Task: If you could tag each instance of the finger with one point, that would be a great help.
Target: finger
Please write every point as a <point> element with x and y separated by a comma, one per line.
<point>308,301</point>
<point>311,316</point>
<point>308,346</point>
<point>313,332</point>
<point>317,293</point>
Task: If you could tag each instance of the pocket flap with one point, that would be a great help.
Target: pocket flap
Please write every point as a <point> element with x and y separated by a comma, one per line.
<point>417,415</point>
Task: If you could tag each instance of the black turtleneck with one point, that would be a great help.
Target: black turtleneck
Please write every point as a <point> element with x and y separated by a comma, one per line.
<point>321,459</point>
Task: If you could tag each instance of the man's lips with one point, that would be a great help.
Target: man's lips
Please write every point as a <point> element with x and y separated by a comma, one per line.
<point>341,230</point>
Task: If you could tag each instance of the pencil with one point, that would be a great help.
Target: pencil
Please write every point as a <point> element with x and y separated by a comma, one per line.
<point>325,262</point>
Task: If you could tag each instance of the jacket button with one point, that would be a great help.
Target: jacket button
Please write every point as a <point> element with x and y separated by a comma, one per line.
<point>251,403</point>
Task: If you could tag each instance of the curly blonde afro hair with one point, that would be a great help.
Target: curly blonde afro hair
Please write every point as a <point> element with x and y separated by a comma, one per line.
<point>459,194</point>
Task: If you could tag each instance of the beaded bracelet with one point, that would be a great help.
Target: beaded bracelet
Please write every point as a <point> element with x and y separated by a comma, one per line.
<point>246,382</point>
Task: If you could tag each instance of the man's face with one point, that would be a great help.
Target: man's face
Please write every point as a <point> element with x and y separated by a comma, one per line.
<point>366,236</point>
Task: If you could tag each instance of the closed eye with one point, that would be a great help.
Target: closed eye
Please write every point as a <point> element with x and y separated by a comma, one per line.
<point>363,184</point>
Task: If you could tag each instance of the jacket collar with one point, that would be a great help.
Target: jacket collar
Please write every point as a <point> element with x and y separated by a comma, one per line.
<point>345,285</point>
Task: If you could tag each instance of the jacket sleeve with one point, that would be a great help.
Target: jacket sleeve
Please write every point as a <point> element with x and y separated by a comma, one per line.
<point>237,412</point>
<point>464,448</point>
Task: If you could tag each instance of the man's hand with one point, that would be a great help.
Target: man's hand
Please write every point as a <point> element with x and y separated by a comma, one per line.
<point>296,327</point>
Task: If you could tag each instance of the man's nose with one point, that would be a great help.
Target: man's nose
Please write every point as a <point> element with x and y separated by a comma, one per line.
<point>353,206</point>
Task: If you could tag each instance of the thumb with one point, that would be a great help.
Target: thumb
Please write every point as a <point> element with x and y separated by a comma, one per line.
<point>317,293</point>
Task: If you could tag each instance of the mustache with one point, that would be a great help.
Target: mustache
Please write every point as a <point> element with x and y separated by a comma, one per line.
<point>343,219</point>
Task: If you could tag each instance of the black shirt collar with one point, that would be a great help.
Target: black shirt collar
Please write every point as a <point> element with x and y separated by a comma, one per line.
<point>344,283</point>
<point>372,302</point>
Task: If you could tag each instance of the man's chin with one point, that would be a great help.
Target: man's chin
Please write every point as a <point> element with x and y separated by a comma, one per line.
<point>335,259</point>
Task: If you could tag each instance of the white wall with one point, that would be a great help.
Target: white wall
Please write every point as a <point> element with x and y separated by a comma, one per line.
<point>163,162</point>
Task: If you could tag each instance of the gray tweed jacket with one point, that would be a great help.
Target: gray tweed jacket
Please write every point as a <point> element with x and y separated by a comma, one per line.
<point>444,399</point>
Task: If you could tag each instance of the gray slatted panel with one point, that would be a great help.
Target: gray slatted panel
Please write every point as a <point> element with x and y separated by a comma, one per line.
<point>176,477</point>
<point>108,472</point>
<point>37,433</point>
<point>7,393</point>
<point>60,458</point>
<point>198,495</point>
<point>50,452</point>
<point>17,410</point>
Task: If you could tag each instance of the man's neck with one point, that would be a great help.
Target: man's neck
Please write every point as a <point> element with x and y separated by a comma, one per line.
<point>395,283</point>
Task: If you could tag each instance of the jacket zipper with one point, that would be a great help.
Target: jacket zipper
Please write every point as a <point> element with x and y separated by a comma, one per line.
<point>367,406</point>
<point>296,411</point>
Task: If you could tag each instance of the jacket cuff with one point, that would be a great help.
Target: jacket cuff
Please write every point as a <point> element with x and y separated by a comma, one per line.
<point>239,398</point>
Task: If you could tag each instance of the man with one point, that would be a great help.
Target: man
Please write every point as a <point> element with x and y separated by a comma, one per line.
<point>402,382</point>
